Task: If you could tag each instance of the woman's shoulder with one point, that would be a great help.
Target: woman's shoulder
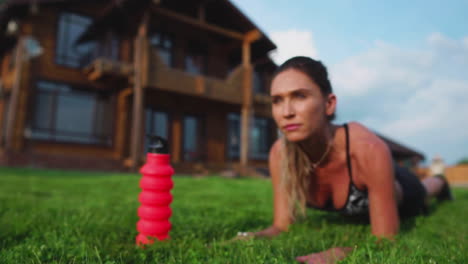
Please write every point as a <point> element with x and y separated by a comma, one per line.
<point>276,148</point>
<point>362,139</point>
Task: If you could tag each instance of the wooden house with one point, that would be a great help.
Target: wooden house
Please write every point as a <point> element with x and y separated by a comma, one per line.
<point>83,83</point>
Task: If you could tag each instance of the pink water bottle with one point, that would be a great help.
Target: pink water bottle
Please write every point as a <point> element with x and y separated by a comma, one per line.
<point>156,184</point>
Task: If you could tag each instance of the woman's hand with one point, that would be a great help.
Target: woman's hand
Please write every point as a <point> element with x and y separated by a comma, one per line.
<point>329,256</point>
<point>270,232</point>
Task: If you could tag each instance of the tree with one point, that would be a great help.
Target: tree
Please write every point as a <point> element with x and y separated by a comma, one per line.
<point>463,161</point>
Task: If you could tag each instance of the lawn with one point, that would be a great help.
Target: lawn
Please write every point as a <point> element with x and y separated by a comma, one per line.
<point>49,216</point>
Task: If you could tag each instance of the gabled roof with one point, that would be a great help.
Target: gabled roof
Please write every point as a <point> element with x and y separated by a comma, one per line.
<point>400,151</point>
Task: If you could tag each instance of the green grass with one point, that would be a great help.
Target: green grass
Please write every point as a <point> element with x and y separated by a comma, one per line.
<point>49,216</point>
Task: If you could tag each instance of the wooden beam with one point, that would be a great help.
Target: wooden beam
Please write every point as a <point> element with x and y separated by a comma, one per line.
<point>138,94</point>
<point>245,53</point>
<point>252,35</point>
<point>246,114</point>
<point>176,138</point>
<point>199,24</point>
<point>201,12</point>
<point>14,98</point>
<point>122,122</point>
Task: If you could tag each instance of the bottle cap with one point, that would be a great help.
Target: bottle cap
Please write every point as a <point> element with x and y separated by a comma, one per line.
<point>158,145</point>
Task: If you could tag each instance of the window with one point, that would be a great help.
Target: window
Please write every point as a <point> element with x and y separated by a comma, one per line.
<point>260,138</point>
<point>258,84</point>
<point>110,46</point>
<point>68,52</point>
<point>195,60</point>
<point>164,45</point>
<point>66,114</point>
<point>193,139</point>
<point>233,144</point>
<point>157,124</point>
<point>107,48</point>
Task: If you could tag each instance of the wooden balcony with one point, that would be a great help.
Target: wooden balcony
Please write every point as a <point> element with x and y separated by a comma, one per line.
<point>228,90</point>
<point>102,69</point>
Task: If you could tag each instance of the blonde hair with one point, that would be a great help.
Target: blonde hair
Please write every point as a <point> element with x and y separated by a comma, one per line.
<point>295,176</point>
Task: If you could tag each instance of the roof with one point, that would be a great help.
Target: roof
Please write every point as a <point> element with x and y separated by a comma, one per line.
<point>400,151</point>
<point>217,12</point>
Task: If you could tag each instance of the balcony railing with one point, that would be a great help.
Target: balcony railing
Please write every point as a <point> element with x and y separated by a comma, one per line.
<point>163,77</point>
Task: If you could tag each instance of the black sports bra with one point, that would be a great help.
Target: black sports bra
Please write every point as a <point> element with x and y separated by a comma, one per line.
<point>357,202</point>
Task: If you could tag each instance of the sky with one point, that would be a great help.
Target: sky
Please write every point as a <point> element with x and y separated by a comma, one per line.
<point>398,67</point>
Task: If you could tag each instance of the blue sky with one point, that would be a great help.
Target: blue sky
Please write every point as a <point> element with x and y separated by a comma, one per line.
<point>398,67</point>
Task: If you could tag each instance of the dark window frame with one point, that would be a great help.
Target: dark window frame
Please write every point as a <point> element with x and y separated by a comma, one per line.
<point>63,59</point>
<point>233,155</point>
<point>163,36</point>
<point>269,139</point>
<point>201,142</point>
<point>168,129</point>
<point>258,82</point>
<point>53,132</point>
<point>195,48</point>
<point>104,48</point>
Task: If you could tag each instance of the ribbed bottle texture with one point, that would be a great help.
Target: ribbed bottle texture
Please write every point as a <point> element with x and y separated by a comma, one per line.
<point>155,198</point>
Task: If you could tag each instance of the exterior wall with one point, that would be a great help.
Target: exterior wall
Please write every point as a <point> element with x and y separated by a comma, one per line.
<point>457,174</point>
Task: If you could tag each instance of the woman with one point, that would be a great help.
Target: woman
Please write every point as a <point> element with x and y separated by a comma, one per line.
<point>344,168</point>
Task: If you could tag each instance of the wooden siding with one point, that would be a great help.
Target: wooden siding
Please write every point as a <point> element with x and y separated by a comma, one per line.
<point>457,174</point>
<point>43,27</point>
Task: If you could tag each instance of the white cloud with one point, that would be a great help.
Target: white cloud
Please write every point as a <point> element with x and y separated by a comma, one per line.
<point>419,97</point>
<point>292,43</point>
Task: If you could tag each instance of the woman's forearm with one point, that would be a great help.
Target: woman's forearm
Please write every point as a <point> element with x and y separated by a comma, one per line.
<point>271,231</point>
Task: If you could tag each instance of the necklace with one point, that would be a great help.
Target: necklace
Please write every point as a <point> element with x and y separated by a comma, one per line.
<point>316,164</point>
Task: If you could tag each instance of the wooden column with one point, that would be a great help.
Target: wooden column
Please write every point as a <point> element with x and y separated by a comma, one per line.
<point>14,98</point>
<point>122,121</point>
<point>140,66</point>
<point>246,106</point>
<point>176,138</point>
<point>247,90</point>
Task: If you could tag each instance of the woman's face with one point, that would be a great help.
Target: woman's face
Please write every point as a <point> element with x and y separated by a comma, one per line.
<point>298,106</point>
